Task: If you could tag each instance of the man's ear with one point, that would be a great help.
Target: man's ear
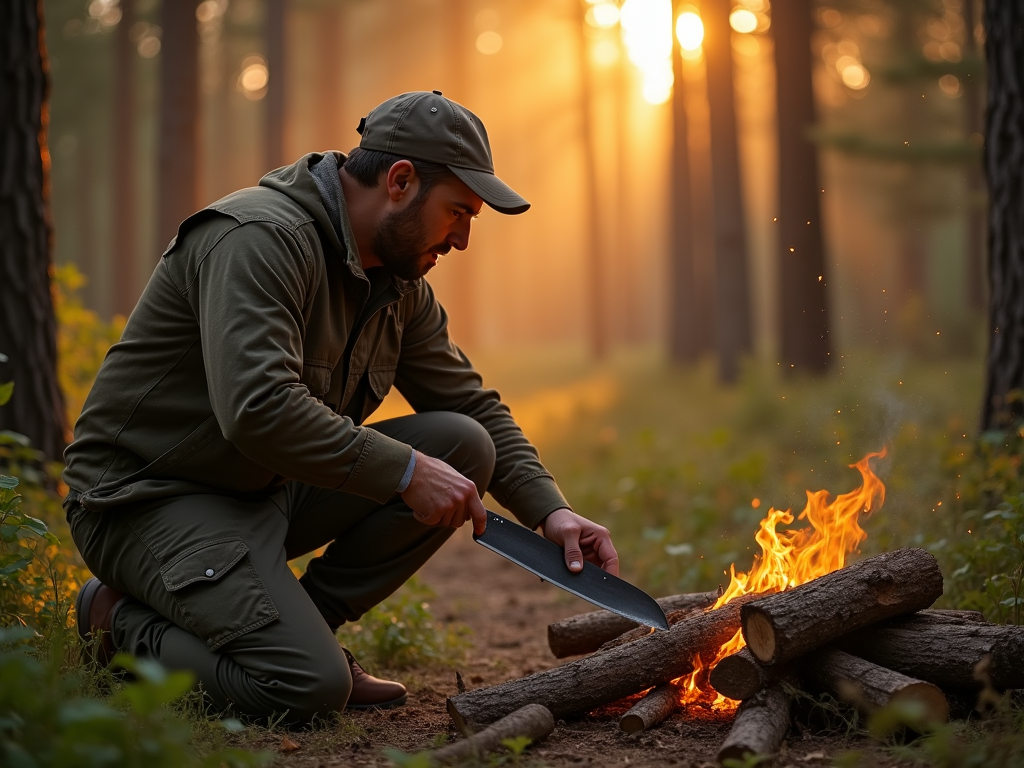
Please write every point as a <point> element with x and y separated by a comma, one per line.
<point>402,181</point>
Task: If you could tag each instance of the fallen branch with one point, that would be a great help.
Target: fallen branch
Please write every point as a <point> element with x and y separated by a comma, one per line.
<point>761,725</point>
<point>661,702</point>
<point>788,624</point>
<point>533,721</point>
<point>605,676</point>
<point>868,685</point>
<point>672,618</point>
<point>587,632</point>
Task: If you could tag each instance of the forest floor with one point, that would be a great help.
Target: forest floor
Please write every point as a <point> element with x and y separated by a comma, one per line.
<point>508,610</point>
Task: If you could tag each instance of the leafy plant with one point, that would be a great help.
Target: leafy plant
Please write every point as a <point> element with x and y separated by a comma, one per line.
<point>402,632</point>
<point>46,722</point>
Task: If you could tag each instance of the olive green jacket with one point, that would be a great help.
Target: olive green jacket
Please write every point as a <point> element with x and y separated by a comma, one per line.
<point>251,360</point>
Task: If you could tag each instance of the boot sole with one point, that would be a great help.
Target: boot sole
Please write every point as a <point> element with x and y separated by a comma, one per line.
<point>83,607</point>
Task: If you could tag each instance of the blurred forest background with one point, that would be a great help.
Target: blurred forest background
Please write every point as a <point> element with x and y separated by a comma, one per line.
<point>158,111</point>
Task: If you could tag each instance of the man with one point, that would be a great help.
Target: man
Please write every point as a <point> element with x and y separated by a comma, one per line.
<point>223,434</point>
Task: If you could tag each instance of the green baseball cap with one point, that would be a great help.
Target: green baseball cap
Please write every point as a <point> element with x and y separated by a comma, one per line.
<point>426,126</point>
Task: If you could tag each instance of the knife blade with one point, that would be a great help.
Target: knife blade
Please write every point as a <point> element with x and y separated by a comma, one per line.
<point>546,559</point>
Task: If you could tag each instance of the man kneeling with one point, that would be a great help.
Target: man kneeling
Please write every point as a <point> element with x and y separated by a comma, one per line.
<point>224,436</point>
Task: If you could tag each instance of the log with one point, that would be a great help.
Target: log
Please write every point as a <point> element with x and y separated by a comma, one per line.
<point>673,617</point>
<point>658,704</point>
<point>605,676</point>
<point>739,676</point>
<point>533,720</point>
<point>943,653</point>
<point>761,725</point>
<point>788,624</point>
<point>868,685</point>
<point>587,632</point>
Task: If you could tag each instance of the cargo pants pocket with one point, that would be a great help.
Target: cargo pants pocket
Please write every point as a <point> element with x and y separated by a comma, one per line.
<point>219,591</point>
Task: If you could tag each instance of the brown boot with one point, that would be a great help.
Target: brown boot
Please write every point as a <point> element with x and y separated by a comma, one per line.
<point>96,606</point>
<point>369,692</point>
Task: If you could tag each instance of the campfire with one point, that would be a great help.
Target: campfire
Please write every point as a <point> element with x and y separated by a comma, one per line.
<point>799,618</point>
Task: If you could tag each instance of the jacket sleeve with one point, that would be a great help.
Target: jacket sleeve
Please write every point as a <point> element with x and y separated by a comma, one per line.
<point>248,296</point>
<point>434,375</point>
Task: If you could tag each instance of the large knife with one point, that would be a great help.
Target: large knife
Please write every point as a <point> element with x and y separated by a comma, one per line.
<point>546,559</point>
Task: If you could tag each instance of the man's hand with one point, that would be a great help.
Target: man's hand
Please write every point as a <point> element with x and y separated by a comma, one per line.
<point>439,495</point>
<point>582,540</point>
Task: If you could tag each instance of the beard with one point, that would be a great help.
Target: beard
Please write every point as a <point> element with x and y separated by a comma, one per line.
<point>401,242</point>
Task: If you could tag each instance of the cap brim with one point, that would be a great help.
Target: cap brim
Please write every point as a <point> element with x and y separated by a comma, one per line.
<point>496,193</point>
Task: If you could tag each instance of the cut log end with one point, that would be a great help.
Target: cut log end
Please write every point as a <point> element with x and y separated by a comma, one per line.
<point>658,704</point>
<point>760,636</point>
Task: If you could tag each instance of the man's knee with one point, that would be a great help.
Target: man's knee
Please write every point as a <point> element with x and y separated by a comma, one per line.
<point>471,450</point>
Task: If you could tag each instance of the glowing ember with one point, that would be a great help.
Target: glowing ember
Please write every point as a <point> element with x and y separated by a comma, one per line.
<point>789,558</point>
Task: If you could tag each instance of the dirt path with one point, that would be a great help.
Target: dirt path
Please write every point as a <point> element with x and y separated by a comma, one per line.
<point>508,611</point>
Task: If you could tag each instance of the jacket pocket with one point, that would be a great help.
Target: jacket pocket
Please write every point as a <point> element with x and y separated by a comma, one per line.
<point>316,375</point>
<point>380,379</point>
<point>218,589</point>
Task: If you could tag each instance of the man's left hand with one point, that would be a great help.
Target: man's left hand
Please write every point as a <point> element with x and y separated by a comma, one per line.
<point>582,540</point>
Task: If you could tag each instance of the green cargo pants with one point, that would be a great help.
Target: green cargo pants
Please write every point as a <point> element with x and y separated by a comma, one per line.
<point>213,592</point>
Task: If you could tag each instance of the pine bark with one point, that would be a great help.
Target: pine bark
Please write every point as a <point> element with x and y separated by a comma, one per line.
<point>179,117</point>
<point>761,725</point>
<point>586,632</point>
<point>944,652</point>
<point>658,704</point>
<point>533,721</point>
<point>28,328</point>
<point>870,686</point>
<point>1004,167</point>
<point>732,290</point>
<point>788,624</point>
<point>803,302</point>
<point>606,676</point>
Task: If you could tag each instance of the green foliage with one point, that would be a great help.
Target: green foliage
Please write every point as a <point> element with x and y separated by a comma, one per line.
<point>402,632</point>
<point>46,722</point>
<point>82,339</point>
<point>749,760</point>
<point>983,546</point>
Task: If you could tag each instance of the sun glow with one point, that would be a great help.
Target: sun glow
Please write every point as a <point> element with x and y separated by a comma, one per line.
<point>689,31</point>
<point>647,33</point>
<point>790,558</point>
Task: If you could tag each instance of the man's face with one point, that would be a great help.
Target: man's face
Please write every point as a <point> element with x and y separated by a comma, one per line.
<point>410,240</point>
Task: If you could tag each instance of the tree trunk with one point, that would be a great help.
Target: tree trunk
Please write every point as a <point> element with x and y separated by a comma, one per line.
<point>533,721</point>
<point>126,214</point>
<point>974,124</point>
<point>803,302</point>
<point>683,342</point>
<point>658,704</point>
<point>28,329</point>
<point>732,289</point>
<point>179,117</point>
<point>587,632</point>
<point>1004,165</point>
<point>606,676</point>
<point>597,326</point>
<point>785,625</point>
<point>275,29</point>
<point>869,686</point>
<point>944,652</point>
<point>760,727</point>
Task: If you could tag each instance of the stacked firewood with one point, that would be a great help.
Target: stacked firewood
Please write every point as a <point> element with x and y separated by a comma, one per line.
<point>863,633</point>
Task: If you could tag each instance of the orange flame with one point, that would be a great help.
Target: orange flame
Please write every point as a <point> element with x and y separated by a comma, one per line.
<point>792,557</point>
